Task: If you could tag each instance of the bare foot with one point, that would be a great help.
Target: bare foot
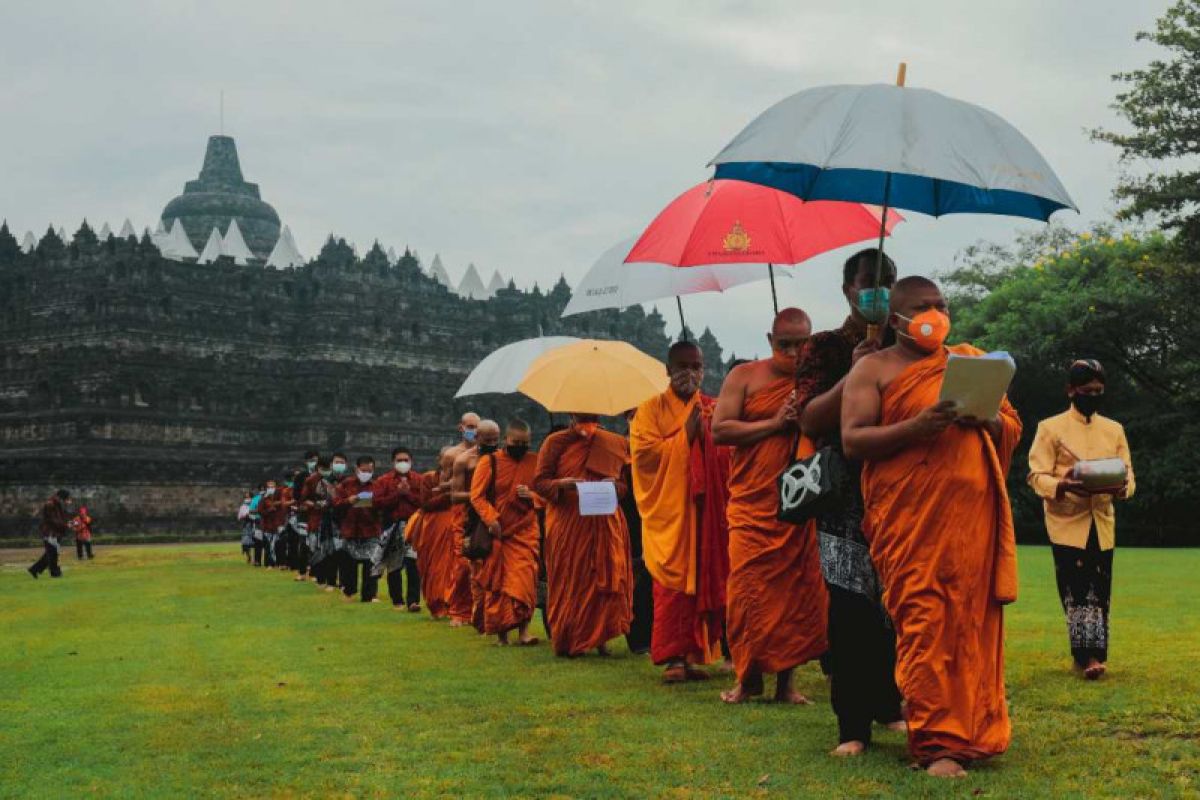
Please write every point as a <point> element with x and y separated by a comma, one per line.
<point>792,697</point>
<point>738,694</point>
<point>1094,670</point>
<point>528,641</point>
<point>331,588</point>
<point>899,726</point>
<point>849,749</point>
<point>946,768</point>
<point>457,623</point>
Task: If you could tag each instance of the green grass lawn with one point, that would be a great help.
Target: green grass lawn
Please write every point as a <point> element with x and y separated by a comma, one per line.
<point>179,671</point>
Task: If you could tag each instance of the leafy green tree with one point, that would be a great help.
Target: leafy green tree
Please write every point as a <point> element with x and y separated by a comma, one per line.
<point>1124,300</point>
<point>1163,107</point>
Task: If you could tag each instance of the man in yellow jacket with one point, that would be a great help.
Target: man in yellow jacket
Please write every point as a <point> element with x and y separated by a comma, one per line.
<point>1079,520</point>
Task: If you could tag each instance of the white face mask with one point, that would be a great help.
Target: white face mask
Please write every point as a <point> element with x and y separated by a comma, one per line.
<point>403,467</point>
<point>270,491</point>
<point>365,476</point>
<point>339,467</point>
<point>311,465</point>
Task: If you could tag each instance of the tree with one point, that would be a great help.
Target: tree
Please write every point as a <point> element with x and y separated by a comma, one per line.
<point>1101,296</point>
<point>1163,107</point>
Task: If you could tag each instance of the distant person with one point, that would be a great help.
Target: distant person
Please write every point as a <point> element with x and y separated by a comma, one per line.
<point>777,606</point>
<point>255,517</point>
<point>274,510</point>
<point>361,501</point>
<point>319,494</point>
<point>243,517</point>
<point>1080,521</point>
<point>81,525</point>
<point>54,526</point>
<point>679,478</point>
<point>862,642</point>
<point>588,574</point>
<point>399,558</point>
<point>940,529</point>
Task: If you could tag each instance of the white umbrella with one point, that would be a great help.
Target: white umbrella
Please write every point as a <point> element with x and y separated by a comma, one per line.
<point>612,283</point>
<point>501,371</point>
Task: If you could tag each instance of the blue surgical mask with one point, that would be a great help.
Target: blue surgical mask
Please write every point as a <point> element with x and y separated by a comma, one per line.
<point>469,435</point>
<point>873,304</point>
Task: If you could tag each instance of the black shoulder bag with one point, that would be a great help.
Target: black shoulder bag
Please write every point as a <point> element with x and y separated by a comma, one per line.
<point>478,540</point>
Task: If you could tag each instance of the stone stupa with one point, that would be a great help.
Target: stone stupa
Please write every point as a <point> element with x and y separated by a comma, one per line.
<point>219,196</point>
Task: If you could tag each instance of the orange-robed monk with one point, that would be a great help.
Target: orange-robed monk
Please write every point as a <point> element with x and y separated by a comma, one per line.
<point>777,606</point>
<point>589,574</point>
<point>503,500</point>
<point>433,537</point>
<point>679,480</point>
<point>466,595</point>
<point>940,530</point>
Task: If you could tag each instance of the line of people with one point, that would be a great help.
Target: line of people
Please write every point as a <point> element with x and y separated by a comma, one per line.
<point>897,589</point>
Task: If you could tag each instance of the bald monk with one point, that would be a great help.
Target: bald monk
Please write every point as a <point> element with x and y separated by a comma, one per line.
<point>940,530</point>
<point>466,595</point>
<point>503,500</point>
<point>468,430</point>
<point>777,606</point>
<point>589,575</point>
<point>433,537</point>
<point>679,479</point>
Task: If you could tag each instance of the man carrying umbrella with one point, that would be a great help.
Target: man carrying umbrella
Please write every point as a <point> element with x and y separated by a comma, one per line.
<point>862,643</point>
<point>777,605</point>
<point>940,529</point>
<point>679,479</point>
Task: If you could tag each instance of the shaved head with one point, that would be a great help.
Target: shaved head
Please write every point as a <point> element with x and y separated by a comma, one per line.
<point>489,432</point>
<point>793,319</point>
<point>915,294</point>
<point>681,350</point>
<point>469,420</point>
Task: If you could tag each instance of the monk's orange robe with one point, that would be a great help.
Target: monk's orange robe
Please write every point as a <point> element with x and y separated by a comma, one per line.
<point>508,577</point>
<point>459,596</point>
<point>940,530</point>
<point>681,495</point>
<point>778,607</point>
<point>434,541</point>
<point>589,572</point>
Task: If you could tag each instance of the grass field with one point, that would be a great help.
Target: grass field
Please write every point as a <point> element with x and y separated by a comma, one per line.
<point>178,671</point>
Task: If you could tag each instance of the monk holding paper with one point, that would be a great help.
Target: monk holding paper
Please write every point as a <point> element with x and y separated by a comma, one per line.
<point>777,606</point>
<point>588,571</point>
<point>679,479</point>
<point>940,530</point>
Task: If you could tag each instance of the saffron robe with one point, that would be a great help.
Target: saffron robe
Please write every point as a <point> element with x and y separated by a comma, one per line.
<point>940,530</point>
<point>508,577</point>
<point>434,540</point>
<point>589,575</point>
<point>681,495</point>
<point>777,608</point>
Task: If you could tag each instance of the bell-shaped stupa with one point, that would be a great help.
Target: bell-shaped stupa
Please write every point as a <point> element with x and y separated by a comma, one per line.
<point>219,196</point>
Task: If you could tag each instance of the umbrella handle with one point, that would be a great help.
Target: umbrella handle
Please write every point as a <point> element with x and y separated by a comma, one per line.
<point>774,297</point>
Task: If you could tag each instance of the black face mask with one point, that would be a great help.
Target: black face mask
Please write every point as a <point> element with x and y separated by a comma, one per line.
<point>1087,404</point>
<point>488,449</point>
<point>516,451</point>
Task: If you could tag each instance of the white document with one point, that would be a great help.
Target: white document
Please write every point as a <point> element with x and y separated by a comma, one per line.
<point>597,498</point>
<point>976,384</point>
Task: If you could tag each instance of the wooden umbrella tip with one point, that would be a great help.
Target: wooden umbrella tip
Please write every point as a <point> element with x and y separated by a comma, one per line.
<point>901,73</point>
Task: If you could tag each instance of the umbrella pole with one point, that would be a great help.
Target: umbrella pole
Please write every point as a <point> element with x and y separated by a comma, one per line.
<point>682,325</point>
<point>774,297</point>
<point>873,328</point>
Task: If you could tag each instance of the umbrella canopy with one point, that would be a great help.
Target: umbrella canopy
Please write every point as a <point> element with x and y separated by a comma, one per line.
<point>895,146</point>
<point>594,377</point>
<point>612,282</point>
<point>735,222</point>
<point>503,369</point>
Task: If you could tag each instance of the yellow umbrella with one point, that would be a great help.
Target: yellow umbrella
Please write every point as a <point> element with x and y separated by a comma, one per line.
<point>593,377</point>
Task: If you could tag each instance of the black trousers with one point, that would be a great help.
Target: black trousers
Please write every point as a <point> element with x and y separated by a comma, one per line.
<point>260,547</point>
<point>1084,578</point>
<point>299,553</point>
<point>49,560</point>
<point>862,663</point>
<point>81,545</point>
<point>642,623</point>
<point>349,571</point>
<point>326,570</point>
<point>395,584</point>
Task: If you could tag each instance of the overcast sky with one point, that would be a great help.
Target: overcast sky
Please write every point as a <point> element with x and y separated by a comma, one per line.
<point>525,137</point>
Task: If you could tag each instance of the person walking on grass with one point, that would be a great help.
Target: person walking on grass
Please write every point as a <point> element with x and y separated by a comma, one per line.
<point>81,524</point>
<point>1080,520</point>
<point>54,526</point>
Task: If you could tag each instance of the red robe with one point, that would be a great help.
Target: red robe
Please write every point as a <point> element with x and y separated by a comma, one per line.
<point>508,576</point>
<point>433,538</point>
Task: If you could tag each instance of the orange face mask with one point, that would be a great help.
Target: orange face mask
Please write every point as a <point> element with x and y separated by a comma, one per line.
<point>927,330</point>
<point>588,429</point>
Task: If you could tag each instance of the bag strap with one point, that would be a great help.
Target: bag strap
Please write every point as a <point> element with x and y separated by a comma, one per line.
<point>491,495</point>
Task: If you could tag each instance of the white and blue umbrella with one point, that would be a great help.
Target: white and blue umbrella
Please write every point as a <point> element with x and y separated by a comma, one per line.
<point>894,146</point>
